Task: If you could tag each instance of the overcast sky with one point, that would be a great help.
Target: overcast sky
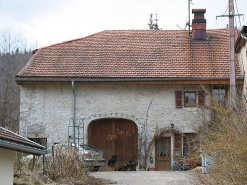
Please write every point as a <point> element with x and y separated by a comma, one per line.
<point>48,22</point>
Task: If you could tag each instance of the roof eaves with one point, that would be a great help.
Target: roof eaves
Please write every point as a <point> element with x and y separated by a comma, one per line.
<point>23,79</point>
<point>38,145</point>
<point>22,148</point>
<point>240,40</point>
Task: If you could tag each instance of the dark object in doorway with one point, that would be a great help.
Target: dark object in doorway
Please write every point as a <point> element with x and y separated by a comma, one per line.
<point>131,166</point>
<point>112,161</point>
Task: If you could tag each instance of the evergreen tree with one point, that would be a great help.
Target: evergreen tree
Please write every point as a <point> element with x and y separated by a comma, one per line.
<point>153,24</point>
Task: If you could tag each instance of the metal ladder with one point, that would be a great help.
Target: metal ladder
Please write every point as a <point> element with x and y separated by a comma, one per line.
<point>74,131</point>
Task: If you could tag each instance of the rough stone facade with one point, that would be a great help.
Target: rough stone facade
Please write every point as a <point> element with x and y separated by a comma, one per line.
<point>46,109</point>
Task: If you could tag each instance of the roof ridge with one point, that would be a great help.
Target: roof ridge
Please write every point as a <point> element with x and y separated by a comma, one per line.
<point>35,50</point>
<point>163,30</point>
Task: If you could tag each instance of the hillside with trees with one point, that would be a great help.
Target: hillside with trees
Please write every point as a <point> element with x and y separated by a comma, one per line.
<point>13,57</point>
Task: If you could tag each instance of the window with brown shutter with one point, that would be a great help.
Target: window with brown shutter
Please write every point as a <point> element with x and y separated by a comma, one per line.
<point>201,98</point>
<point>190,99</point>
<point>178,99</point>
<point>178,144</point>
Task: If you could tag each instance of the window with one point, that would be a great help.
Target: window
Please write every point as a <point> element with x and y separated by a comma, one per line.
<point>189,143</point>
<point>163,147</point>
<point>41,141</point>
<point>219,94</point>
<point>189,99</point>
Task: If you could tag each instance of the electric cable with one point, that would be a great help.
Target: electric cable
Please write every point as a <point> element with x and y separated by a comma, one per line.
<point>238,13</point>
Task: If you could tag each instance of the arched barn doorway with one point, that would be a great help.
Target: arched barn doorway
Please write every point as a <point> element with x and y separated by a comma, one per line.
<point>116,137</point>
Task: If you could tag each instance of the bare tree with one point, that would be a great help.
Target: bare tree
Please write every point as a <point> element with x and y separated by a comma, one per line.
<point>13,57</point>
<point>223,140</point>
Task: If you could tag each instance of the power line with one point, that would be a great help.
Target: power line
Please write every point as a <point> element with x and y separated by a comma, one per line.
<point>227,6</point>
<point>238,13</point>
<point>223,13</point>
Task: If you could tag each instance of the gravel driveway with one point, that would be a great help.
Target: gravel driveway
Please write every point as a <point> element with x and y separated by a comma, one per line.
<point>148,177</point>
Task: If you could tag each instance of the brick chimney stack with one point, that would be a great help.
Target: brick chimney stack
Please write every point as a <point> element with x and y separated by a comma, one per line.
<point>199,24</point>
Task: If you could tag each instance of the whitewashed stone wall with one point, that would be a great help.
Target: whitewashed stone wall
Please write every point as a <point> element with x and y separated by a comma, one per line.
<point>242,60</point>
<point>45,109</point>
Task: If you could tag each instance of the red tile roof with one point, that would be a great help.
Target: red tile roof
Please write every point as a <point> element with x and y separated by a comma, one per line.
<point>135,54</point>
<point>8,136</point>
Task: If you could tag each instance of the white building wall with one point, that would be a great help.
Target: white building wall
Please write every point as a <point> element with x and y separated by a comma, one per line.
<point>6,166</point>
<point>242,58</point>
<point>45,109</point>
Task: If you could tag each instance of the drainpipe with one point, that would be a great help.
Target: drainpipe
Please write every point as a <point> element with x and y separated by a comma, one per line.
<point>26,131</point>
<point>73,88</point>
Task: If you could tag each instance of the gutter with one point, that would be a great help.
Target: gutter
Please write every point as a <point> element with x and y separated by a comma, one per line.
<point>243,36</point>
<point>18,79</point>
<point>22,148</point>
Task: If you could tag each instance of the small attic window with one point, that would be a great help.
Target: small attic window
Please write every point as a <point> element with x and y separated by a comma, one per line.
<point>123,46</point>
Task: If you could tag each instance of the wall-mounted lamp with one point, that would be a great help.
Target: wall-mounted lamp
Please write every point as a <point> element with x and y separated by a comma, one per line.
<point>172,125</point>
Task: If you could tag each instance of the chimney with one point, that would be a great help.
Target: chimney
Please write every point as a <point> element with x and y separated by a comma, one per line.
<point>199,24</point>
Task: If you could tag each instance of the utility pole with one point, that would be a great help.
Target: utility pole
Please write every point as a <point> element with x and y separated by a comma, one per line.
<point>232,55</point>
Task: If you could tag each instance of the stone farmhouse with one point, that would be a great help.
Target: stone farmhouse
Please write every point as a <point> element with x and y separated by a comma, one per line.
<point>109,88</point>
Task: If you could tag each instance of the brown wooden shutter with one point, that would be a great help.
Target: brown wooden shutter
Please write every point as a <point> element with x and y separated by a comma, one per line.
<point>201,98</point>
<point>178,99</point>
<point>178,143</point>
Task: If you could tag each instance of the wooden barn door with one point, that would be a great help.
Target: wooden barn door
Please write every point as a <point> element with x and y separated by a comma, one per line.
<point>115,137</point>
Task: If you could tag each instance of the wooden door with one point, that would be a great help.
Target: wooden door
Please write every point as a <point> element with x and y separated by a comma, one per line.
<point>163,154</point>
<point>115,137</point>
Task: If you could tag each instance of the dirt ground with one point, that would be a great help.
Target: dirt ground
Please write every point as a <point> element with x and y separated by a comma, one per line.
<point>147,177</point>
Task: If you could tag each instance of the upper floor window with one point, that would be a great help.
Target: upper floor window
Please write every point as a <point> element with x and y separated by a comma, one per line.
<point>189,99</point>
<point>219,94</point>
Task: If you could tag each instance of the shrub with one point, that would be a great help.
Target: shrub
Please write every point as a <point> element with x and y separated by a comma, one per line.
<point>224,137</point>
<point>65,164</point>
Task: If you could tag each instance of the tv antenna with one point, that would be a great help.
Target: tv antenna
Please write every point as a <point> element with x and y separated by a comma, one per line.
<point>188,21</point>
